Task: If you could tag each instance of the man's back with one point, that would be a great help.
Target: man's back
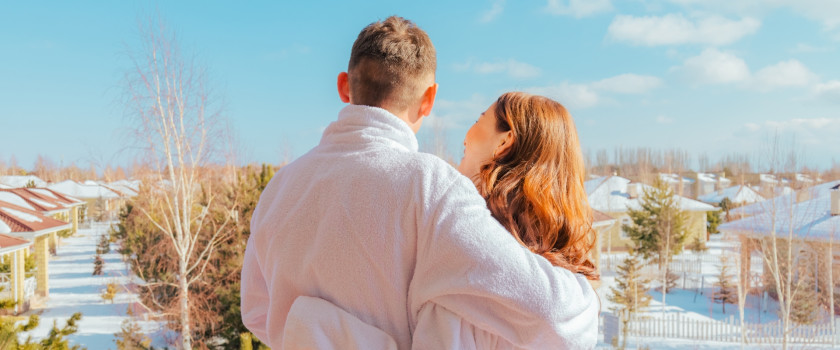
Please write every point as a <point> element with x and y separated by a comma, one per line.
<point>339,223</point>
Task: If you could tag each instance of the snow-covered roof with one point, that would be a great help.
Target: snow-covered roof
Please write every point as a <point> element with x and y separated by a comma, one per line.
<point>25,223</point>
<point>610,195</point>
<point>809,219</point>
<point>13,198</point>
<point>772,179</point>
<point>15,181</point>
<point>737,194</point>
<point>84,191</point>
<point>778,201</point>
<point>132,184</point>
<point>43,200</point>
<point>675,178</point>
<point>122,189</point>
<point>712,178</point>
<point>803,178</point>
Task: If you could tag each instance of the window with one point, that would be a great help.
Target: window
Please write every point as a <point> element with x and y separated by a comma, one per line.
<point>624,221</point>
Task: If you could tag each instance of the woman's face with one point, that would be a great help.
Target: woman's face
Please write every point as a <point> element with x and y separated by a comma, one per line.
<point>482,140</point>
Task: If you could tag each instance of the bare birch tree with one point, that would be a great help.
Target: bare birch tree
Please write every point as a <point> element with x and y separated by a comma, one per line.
<point>777,249</point>
<point>179,127</point>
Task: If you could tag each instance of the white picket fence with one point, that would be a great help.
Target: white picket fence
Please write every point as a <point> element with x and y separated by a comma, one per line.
<point>678,326</point>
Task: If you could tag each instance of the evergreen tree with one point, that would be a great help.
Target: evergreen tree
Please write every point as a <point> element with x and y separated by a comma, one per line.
<point>10,331</point>
<point>805,306</point>
<point>57,339</point>
<point>712,221</point>
<point>98,264</point>
<point>726,293</point>
<point>130,337</point>
<point>630,293</point>
<point>726,205</point>
<point>658,227</point>
<point>104,245</point>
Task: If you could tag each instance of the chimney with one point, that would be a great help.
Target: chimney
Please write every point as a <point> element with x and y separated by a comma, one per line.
<point>835,202</point>
<point>633,190</point>
<point>803,195</point>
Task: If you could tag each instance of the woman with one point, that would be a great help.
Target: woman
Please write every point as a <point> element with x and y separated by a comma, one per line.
<point>524,157</point>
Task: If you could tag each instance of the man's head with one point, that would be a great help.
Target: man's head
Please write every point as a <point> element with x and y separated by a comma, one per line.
<point>392,66</point>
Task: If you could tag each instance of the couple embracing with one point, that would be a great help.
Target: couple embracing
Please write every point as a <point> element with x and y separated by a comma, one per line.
<point>366,243</point>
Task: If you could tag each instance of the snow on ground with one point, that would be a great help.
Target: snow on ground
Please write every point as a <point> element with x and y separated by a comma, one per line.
<point>74,289</point>
<point>696,303</point>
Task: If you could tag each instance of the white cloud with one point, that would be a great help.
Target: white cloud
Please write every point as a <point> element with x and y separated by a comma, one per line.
<point>628,84</point>
<point>574,96</point>
<point>586,95</point>
<point>511,67</point>
<point>495,10</point>
<point>675,29</point>
<point>825,11</point>
<point>714,67</point>
<point>828,91</point>
<point>784,74</point>
<point>578,8</point>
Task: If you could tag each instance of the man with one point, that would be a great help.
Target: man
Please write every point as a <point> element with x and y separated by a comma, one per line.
<point>397,238</point>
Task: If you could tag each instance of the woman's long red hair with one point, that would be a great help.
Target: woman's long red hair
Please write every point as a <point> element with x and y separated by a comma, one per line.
<point>535,188</point>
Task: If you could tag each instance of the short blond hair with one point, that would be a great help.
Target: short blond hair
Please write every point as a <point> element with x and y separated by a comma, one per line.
<point>388,63</point>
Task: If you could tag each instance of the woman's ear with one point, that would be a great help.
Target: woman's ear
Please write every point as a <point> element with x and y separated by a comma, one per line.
<point>504,146</point>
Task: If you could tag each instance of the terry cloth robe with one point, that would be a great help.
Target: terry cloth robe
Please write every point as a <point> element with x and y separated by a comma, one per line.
<point>389,234</point>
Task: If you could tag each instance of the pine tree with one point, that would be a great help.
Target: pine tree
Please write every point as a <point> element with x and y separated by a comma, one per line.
<point>104,245</point>
<point>130,337</point>
<point>10,329</point>
<point>658,228</point>
<point>57,339</point>
<point>726,292</point>
<point>805,306</point>
<point>98,264</point>
<point>712,221</point>
<point>630,293</point>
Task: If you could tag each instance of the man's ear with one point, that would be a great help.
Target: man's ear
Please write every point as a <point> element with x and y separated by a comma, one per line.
<point>428,100</point>
<point>505,145</point>
<point>344,87</point>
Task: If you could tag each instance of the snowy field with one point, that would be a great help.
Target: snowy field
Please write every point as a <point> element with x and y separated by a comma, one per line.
<point>74,289</point>
<point>696,304</point>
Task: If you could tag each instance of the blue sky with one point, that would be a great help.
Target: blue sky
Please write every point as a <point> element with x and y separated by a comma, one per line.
<point>712,76</point>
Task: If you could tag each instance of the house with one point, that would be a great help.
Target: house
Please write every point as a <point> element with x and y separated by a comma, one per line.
<point>738,195</point>
<point>17,181</point>
<point>12,250</point>
<point>614,195</point>
<point>810,223</point>
<point>129,188</point>
<point>35,227</point>
<point>50,203</point>
<point>708,183</point>
<point>601,224</point>
<point>782,200</point>
<point>679,184</point>
<point>101,202</point>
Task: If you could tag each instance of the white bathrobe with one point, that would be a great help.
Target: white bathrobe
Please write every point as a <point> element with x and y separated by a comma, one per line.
<point>403,242</point>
